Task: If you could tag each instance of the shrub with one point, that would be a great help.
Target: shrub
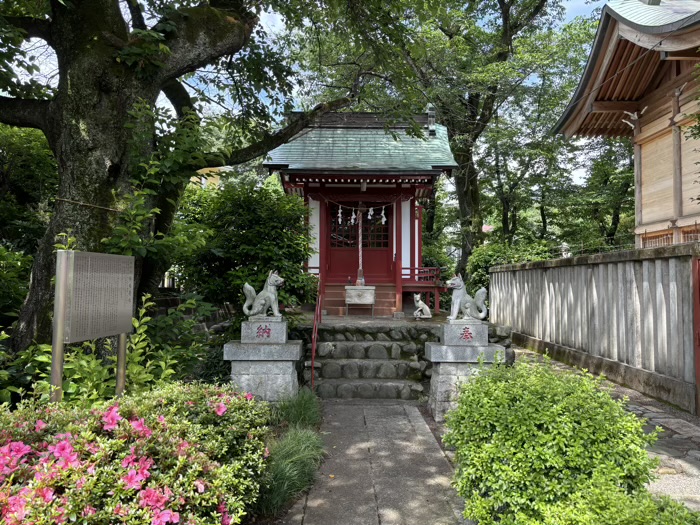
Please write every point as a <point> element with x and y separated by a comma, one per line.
<point>14,283</point>
<point>181,453</point>
<point>294,459</point>
<point>302,410</point>
<point>528,438</point>
<point>254,230</point>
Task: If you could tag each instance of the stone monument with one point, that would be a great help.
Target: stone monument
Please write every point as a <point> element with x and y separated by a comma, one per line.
<point>264,362</point>
<point>463,347</point>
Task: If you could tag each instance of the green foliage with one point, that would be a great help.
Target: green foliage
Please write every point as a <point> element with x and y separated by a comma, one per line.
<point>601,502</point>
<point>28,184</point>
<point>301,410</point>
<point>255,230</point>
<point>167,171</point>
<point>14,283</point>
<point>529,439</point>
<point>192,450</point>
<point>161,349</point>
<point>293,461</point>
<point>493,254</point>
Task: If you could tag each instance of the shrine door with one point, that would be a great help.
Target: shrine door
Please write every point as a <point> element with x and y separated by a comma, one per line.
<point>342,244</point>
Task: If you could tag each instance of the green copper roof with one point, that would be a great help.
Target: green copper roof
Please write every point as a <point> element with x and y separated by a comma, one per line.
<point>669,15</point>
<point>338,148</point>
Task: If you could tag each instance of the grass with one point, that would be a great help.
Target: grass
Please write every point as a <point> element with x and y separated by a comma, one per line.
<point>293,461</point>
<point>302,410</point>
<point>295,454</point>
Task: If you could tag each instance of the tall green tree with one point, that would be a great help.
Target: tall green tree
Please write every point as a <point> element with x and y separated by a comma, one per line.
<point>469,59</point>
<point>112,57</point>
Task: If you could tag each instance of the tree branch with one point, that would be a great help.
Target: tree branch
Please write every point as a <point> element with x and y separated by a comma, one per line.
<point>271,140</point>
<point>24,113</point>
<point>201,35</point>
<point>34,27</point>
<point>178,96</point>
<point>137,20</point>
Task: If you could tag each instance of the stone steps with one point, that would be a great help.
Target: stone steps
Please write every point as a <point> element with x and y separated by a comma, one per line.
<point>369,389</point>
<point>370,369</point>
<point>365,350</point>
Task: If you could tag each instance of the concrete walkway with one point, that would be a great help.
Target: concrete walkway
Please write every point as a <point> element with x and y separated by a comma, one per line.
<point>384,466</point>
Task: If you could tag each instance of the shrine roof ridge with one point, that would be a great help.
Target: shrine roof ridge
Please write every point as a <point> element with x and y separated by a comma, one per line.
<point>356,148</point>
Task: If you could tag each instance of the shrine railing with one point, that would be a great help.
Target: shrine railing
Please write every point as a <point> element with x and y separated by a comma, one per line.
<point>318,318</point>
<point>425,276</point>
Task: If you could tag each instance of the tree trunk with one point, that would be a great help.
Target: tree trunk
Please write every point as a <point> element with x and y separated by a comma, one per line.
<point>87,134</point>
<point>468,197</point>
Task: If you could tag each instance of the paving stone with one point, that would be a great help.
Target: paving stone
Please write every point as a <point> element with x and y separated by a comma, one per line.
<point>349,336</point>
<point>340,351</point>
<point>410,348</point>
<point>387,391</point>
<point>345,391</point>
<point>423,338</point>
<point>395,351</point>
<point>383,337</point>
<point>377,352</point>
<point>340,337</point>
<point>387,371</point>
<point>396,335</point>
<point>324,349</point>
<point>325,391</point>
<point>368,337</point>
<point>331,370</point>
<point>368,369</point>
<point>357,352</point>
<point>365,391</point>
<point>351,370</point>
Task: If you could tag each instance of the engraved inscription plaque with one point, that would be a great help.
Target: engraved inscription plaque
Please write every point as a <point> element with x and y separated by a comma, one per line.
<point>98,294</point>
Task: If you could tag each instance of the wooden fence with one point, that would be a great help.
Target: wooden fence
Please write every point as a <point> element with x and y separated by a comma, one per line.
<point>630,315</point>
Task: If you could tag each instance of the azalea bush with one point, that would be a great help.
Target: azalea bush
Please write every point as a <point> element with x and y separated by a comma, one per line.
<point>189,454</point>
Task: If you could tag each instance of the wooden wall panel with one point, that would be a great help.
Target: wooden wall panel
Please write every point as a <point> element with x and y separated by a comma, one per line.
<point>690,157</point>
<point>657,179</point>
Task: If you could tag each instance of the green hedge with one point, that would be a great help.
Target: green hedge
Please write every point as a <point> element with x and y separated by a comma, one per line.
<point>538,446</point>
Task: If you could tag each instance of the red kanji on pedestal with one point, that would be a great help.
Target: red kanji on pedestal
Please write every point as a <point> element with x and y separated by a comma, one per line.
<point>466,334</point>
<point>263,331</point>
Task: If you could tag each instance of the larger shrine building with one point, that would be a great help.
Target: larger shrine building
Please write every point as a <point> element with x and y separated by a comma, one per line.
<point>348,165</point>
<point>640,82</point>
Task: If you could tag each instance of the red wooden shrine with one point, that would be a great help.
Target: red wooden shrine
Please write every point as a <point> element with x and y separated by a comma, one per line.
<point>351,164</point>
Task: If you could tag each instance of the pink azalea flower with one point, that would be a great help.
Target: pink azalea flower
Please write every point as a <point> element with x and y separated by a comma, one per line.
<point>249,396</point>
<point>65,454</point>
<point>139,426</point>
<point>80,483</point>
<point>165,516</point>
<point>199,485</point>
<point>182,448</point>
<point>220,409</point>
<point>89,511</point>
<point>45,493</point>
<point>39,426</point>
<point>132,480</point>
<point>111,418</point>
<point>266,454</point>
<point>153,499</point>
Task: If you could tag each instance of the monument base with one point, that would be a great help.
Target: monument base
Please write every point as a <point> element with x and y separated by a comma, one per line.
<point>453,366</point>
<point>268,371</point>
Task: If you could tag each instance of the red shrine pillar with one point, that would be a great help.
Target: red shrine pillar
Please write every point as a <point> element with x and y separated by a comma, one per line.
<point>398,247</point>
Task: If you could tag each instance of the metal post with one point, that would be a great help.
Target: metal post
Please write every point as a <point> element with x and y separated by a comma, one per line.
<point>121,365</point>
<point>64,260</point>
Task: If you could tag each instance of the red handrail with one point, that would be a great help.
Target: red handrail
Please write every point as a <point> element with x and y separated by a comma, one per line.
<point>318,318</point>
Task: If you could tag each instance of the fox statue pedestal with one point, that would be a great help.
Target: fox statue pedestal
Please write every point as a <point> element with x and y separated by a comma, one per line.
<point>264,362</point>
<point>463,348</point>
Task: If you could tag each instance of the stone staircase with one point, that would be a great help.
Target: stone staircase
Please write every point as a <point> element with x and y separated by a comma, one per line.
<point>385,301</point>
<point>372,360</point>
